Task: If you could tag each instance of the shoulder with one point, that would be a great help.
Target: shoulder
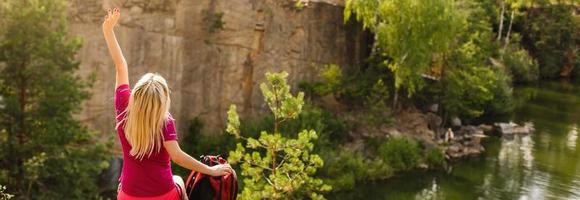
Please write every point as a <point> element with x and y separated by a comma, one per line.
<point>122,88</point>
<point>169,131</point>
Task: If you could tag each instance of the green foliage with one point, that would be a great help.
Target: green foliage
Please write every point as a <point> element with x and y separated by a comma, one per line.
<point>3,194</point>
<point>465,97</point>
<point>213,21</point>
<point>551,33</point>
<point>197,143</point>
<point>45,150</point>
<point>411,32</point>
<point>329,128</point>
<point>377,104</point>
<point>523,68</point>
<point>331,81</point>
<point>400,153</point>
<point>299,5</point>
<point>365,89</point>
<point>470,87</point>
<point>435,157</point>
<point>276,167</point>
<point>344,168</point>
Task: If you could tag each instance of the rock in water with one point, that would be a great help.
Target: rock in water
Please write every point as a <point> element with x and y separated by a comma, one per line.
<point>486,128</point>
<point>513,128</point>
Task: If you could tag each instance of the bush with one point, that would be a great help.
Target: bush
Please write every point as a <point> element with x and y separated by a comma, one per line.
<point>367,89</point>
<point>469,93</point>
<point>523,68</point>
<point>435,157</point>
<point>400,153</point>
<point>331,80</point>
<point>344,168</point>
<point>377,104</point>
<point>331,130</point>
<point>551,33</point>
<point>197,143</point>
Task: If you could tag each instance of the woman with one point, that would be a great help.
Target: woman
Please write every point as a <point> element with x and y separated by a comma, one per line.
<point>147,133</point>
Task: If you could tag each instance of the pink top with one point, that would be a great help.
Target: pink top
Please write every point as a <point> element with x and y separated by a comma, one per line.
<point>151,176</point>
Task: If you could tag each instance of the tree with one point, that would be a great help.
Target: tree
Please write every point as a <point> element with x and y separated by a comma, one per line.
<point>287,168</point>
<point>410,32</point>
<point>45,152</point>
<point>3,195</point>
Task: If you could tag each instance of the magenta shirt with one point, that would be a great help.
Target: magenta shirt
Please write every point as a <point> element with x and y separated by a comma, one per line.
<point>151,176</point>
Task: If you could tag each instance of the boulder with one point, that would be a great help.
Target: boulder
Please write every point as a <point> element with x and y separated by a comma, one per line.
<point>486,128</point>
<point>513,128</point>
<point>470,130</point>
<point>434,108</point>
<point>455,122</point>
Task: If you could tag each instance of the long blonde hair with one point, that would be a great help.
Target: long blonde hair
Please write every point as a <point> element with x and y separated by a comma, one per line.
<point>146,115</point>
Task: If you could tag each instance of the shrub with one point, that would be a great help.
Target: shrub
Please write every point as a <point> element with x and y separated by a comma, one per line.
<point>435,157</point>
<point>551,33</point>
<point>366,89</point>
<point>521,65</point>
<point>198,143</point>
<point>344,168</point>
<point>276,167</point>
<point>331,80</point>
<point>331,130</point>
<point>400,153</point>
<point>213,21</point>
<point>376,103</point>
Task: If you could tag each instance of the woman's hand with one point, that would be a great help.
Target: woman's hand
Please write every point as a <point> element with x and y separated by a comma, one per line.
<point>111,19</point>
<point>220,170</point>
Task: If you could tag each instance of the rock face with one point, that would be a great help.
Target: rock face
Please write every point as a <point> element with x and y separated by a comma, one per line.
<point>213,53</point>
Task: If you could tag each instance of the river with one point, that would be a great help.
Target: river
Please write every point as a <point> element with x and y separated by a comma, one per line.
<point>543,165</point>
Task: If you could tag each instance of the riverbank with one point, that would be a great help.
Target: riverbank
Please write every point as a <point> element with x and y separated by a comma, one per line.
<point>544,164</point>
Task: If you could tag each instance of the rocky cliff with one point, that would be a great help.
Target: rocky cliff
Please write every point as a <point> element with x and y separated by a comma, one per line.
<point>212,52</point>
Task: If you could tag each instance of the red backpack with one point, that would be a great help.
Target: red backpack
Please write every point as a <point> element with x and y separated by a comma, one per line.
<point>202,186</point>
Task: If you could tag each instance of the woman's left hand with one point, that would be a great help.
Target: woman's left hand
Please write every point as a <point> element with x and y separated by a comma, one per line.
<point>220,170</point>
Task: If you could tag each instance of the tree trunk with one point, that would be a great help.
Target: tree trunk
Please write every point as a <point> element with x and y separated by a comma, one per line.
<point>395,99</point>
<point>507,37</point>
<point>500,28</point>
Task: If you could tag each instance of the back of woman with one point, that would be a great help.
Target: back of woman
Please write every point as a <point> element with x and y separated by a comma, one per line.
<point>146,132</point>
<point>149,176</point>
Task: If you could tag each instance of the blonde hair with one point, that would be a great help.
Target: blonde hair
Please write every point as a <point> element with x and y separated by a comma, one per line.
<point>146,115</point>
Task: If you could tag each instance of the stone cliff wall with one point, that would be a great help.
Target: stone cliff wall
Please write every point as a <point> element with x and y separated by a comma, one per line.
<point>212,52</point>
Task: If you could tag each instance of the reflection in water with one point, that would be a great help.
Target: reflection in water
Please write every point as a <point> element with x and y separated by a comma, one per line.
<point>542,165</point>
<point>512,175</point>
<point>430,193</point>
<point>572,137</point>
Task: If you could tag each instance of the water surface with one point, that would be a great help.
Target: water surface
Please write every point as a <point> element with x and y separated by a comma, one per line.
<point>543,165</point>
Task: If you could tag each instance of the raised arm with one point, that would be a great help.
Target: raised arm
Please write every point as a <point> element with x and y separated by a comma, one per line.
<point>122,74</point>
